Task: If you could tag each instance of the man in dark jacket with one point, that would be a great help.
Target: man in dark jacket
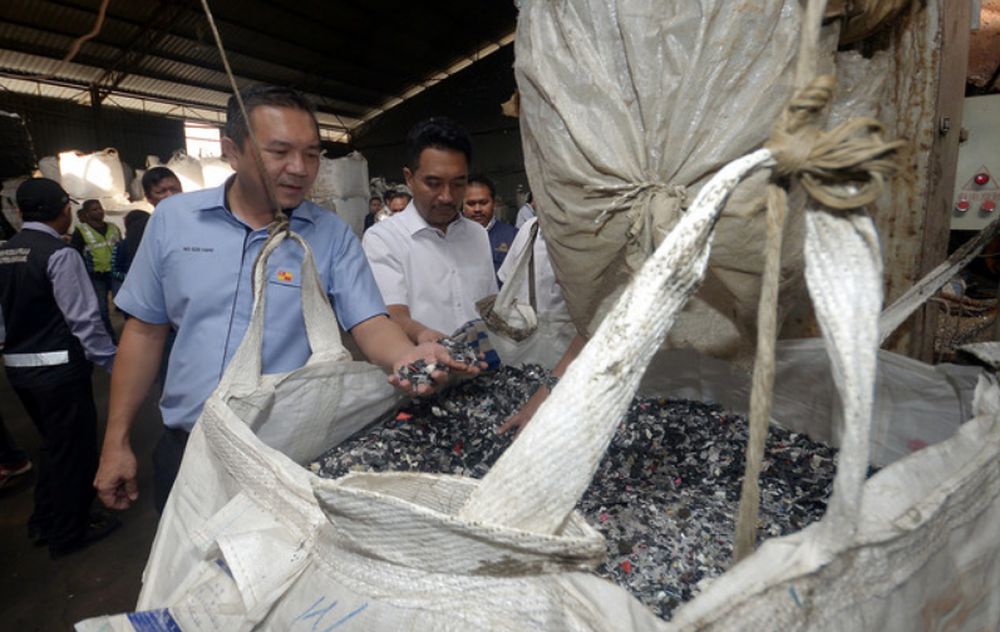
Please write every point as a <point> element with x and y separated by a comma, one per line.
<point>54,334</point>
<point>480,206</point>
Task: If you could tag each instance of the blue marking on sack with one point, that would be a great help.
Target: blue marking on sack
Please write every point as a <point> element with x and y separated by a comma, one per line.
<point>314,611</point>
<point>795,596</point>
<point>348,616</point>
<point>221,563</point>
<point>153,621</point>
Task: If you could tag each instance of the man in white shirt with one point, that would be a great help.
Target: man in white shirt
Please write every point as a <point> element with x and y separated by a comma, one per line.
<point>525,213</point>
<point>432,264</point>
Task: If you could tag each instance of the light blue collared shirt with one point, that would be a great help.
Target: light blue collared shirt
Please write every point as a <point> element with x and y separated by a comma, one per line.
<point>193,270</point>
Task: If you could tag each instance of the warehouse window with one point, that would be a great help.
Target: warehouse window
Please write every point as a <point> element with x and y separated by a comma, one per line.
<point>202,140</point>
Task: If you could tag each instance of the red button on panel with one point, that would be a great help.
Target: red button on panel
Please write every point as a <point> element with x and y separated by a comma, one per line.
<point>962,205</point>
<point>988,206</point>
<point>982,178</point>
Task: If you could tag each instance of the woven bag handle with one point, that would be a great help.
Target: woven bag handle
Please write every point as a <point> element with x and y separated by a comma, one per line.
<point>322,331</point>
<point>537,482</point>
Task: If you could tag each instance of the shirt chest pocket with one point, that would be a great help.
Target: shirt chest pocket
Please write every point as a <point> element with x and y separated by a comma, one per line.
<point>287,277</point>
<point>284,298</point>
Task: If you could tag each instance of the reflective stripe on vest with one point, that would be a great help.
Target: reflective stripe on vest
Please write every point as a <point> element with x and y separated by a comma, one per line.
<point>25,360</point>
<point>99,246</point>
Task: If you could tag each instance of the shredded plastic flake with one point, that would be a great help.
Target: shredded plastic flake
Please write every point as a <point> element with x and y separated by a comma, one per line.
<point>665,495</point>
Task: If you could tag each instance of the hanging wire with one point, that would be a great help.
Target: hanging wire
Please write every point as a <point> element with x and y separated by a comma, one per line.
<point>281,221</point>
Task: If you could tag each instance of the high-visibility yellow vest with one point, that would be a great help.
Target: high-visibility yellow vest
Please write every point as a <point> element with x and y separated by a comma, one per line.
<point>100,246</point>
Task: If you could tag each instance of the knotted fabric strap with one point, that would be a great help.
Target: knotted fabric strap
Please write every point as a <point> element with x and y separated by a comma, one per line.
<point>844,168</point>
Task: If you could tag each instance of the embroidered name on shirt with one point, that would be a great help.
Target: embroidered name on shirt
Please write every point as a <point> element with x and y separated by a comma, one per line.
<point>198,249</point>
<point>15,255</point>
<point>285,276</point>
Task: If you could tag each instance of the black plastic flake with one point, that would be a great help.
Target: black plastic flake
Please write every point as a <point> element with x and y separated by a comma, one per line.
<point>665,494</point>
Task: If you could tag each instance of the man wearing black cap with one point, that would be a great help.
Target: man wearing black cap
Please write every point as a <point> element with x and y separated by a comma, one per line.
<point>53,335</point>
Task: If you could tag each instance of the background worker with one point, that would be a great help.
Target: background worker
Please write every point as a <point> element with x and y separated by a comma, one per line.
<point>159,183</point>
<point>124,252</point>
<point>396,199</point>
<point>480,207</point>
<point>374,209</point>
<point>53,334</point>
<point>95,239</point>
<point>526,212</point>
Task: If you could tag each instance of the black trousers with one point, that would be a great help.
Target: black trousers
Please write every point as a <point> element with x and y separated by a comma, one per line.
<point>167,457</point>
<point>66,418</point>
<point>10,453</point>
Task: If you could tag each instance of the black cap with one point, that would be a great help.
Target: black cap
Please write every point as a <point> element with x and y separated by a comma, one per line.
<point>41,199</point>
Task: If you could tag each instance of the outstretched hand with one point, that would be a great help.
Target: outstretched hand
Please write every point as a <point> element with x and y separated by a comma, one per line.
<point>431,354</point>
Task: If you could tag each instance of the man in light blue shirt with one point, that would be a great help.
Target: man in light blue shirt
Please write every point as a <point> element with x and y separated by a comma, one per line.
<point>193,273</point>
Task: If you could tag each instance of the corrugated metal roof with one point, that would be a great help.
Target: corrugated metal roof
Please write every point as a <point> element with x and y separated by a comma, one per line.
<point>355,59</point>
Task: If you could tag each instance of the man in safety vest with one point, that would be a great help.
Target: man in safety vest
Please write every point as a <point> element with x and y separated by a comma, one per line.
<point>53,338</point>
<point>95,239</point>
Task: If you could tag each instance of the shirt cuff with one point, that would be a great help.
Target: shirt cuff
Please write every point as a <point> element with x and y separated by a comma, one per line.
<point>134,309</point>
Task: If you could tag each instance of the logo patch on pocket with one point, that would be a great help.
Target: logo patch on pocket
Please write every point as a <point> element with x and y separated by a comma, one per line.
<point>285,276</point>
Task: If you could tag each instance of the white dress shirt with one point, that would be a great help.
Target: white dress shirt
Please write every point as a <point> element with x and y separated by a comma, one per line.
<point>524,213</point>
<point>438,275</point>
<point>548,294</point>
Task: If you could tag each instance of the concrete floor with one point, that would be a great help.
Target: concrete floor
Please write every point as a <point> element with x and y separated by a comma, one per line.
<point>37,593</point>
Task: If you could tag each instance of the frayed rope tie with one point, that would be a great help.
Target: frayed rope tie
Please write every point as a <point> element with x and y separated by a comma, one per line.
<point>627,194</point>
<point>844,168</point>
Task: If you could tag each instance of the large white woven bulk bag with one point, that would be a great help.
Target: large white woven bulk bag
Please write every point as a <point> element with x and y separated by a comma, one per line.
<point>135,190</point>
<point>342,186</point>
<point>49,166</point>
<point>344,177</point>
<point>215,171</point>
<point>96,175</point>
<point>626,109</point>
<point>251,540</point>
<point>913,547</point>
<point>352,210</point>
<point>8,202</point>
<point>188,170</point>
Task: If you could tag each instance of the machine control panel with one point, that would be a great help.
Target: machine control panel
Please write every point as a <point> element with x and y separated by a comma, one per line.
<point>976,189</point>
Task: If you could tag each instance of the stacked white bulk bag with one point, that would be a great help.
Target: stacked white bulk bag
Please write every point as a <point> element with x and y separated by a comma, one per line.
<point>193,173</point>
<point>8,202</point>
<point>49,168</point>
<point>188,170</point>
<point>93,176</point>
<point>135,190</point>
<point>342,186</point>
<point>214,171</point>
<point>99,176</point>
